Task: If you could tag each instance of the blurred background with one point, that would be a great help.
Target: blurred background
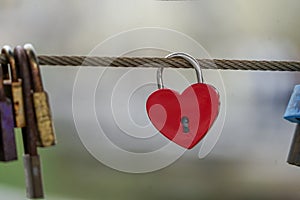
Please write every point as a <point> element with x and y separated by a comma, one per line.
<point>249,159</point>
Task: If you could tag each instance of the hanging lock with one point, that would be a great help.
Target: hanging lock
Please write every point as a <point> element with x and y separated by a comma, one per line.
<point>8,149</point>
<point>13,87</point>
<point>43,117</point>
<point>292,112</point>
<point>184,118</point>
<point>32,165</point>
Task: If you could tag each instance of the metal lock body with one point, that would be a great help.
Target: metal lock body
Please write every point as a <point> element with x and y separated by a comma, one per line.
<point>292,112</point>
<point>294,154</point>
<point>34,183</point>
<point>13,87</point>
<point>44,121</point>
<point>8,149</point>
<point>46,136</point>
<point>33,173</point>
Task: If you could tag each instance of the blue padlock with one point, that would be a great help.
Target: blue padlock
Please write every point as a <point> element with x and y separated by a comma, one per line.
<point>292,112</point>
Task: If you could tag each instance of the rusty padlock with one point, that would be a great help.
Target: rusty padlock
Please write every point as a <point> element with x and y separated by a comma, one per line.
<point>32,165</point>
<point>46,134</point>
<point>13,87</point>
<point>8,149</point>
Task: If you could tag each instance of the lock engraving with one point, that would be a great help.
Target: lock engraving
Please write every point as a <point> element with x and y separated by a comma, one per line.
<point>185,124</point>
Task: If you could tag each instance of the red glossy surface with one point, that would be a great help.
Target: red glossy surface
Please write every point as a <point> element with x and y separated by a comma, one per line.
<point>199,103</point>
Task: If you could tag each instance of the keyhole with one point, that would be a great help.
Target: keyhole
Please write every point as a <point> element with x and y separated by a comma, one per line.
<point>185,124</point>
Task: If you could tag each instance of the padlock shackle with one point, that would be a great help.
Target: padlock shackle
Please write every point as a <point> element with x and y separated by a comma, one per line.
<point>186,57</point>
<point>2,91</point>
<point>8,53</point>
<point>34,68</point>
<point>30,131</point>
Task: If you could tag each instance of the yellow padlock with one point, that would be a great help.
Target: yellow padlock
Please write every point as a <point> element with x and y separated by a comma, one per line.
<point>13,87</point>
<point>43,117</point>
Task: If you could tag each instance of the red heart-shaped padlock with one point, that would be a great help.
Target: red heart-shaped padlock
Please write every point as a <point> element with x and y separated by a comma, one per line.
<point>184,118</point>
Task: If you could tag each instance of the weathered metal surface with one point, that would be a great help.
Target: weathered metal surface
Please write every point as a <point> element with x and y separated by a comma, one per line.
<point>32,164</point>
<point>294,155</point>
<point>30,131</point>
<point>44,122</point>
<point>34,183</point>
<point>46,135</point>
<point>13,87</point>
<point>8,150</point>
<point>17,95</point>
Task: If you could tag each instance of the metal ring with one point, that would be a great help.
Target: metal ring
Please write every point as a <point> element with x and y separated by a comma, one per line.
<point>186,57</point>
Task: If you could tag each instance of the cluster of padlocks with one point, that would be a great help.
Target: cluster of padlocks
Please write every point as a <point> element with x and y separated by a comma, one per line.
<point>24,104</point>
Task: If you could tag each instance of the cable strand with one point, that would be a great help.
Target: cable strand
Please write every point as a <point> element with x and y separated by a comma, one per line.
<point>165,62</point>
